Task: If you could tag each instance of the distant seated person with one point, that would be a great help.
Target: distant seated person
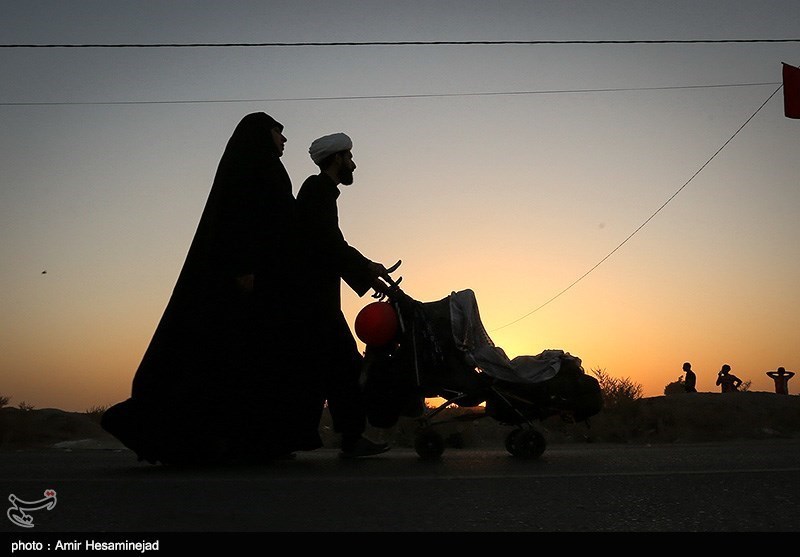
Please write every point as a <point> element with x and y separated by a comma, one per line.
<point>781,378</point>
<point>727,381</point>
<point>690,383</point>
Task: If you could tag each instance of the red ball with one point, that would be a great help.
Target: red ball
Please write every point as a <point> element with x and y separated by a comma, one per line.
<point>376,324</point>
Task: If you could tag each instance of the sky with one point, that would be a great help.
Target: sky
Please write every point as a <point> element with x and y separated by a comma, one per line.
<point>597,198</point>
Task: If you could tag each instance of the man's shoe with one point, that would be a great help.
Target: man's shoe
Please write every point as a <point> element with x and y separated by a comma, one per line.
<point>364,447</point>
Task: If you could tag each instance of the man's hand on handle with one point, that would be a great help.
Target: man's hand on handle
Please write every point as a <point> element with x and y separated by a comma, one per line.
<point>382,281</point>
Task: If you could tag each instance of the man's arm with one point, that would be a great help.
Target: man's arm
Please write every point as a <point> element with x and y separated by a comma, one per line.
<point>319,219</point>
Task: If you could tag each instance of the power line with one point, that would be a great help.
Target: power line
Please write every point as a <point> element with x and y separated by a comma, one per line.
<point>433,95</point>
<point>378,97</point>
<point>395,43</point>
<point>632,234</point>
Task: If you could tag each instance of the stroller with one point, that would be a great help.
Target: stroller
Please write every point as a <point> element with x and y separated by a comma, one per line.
<point>441,350</point>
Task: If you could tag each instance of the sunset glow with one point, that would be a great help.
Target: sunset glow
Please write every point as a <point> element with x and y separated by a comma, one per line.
<point>527,199</point>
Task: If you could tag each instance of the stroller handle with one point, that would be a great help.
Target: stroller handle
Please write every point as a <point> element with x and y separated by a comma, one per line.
<point>393,284</point>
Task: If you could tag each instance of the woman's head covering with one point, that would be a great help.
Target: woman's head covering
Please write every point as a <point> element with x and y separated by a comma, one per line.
<point>250,180</point>
<point>253,135</point>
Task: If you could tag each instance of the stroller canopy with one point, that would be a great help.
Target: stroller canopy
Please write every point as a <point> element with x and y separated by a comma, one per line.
<point>472,339</point>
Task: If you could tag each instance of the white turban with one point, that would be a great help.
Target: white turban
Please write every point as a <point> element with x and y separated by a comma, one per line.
<point>329,145</point>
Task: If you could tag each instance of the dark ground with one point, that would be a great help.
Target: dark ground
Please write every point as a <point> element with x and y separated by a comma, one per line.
<point>737,486</point>
<point>707,464</point>
<point>684,418</point>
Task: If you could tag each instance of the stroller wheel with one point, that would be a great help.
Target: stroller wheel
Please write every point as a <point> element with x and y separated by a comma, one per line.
<point>429,444</point>
<point>525,443</point>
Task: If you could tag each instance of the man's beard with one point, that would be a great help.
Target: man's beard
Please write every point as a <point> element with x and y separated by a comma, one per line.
<point>346,176</point>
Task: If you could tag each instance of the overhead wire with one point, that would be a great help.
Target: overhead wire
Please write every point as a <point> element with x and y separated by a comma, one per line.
<point>434,95</point>
<point>651,217</point>
<point>379,97</point>
<point>393,43</point>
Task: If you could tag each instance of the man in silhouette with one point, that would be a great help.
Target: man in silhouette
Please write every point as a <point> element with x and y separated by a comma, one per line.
<point>781,378</point>
<point>333,359</point>
<point>727,381</point>
<point>690,380</point>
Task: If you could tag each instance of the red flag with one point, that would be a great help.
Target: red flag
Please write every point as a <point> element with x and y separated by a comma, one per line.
<point>791,91</point>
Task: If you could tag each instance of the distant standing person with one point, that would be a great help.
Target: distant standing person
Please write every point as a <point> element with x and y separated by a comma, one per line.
<point>690,381</point>
<point>781,378</point>
<point>727,381</point>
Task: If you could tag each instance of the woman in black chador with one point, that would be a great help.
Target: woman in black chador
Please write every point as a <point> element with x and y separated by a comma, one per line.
<point>218,376</point>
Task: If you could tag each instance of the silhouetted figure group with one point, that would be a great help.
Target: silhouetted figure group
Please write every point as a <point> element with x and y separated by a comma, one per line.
<point>253,341</point>
<point>728,382</point>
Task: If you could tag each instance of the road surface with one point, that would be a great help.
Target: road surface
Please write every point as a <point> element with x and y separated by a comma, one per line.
<point>751,486</point>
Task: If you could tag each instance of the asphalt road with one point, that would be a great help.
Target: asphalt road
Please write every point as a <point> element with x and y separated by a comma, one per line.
<point>750,486</point>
